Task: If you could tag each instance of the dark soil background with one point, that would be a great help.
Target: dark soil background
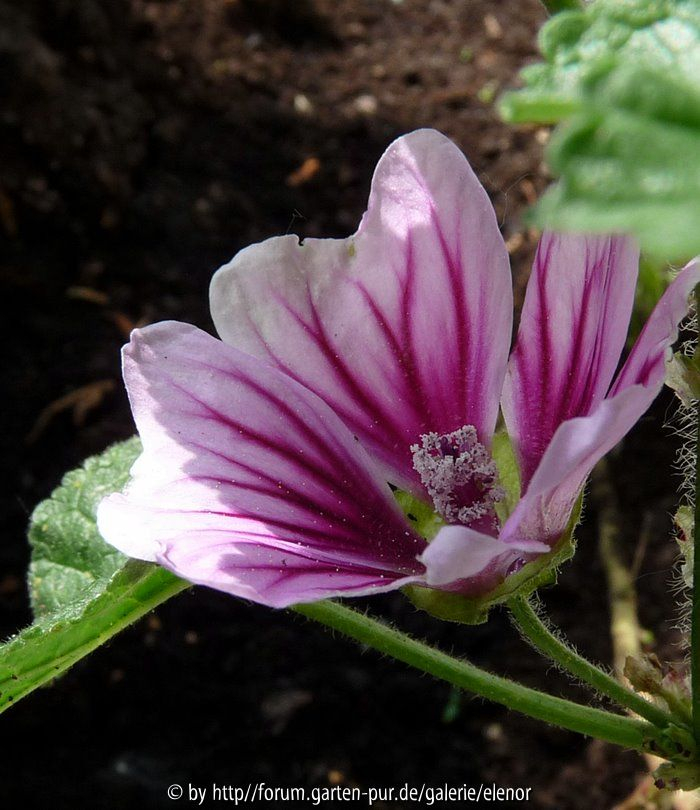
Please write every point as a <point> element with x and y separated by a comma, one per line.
<point>141,145</point>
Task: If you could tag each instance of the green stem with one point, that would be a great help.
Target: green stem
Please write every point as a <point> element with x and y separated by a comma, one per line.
<point>695,611</point>
<point>624,731</point>
<point>544,640</point>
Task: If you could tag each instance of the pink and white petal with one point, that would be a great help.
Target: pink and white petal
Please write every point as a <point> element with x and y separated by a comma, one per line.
<point>646,364</point>
<point>459,558</point>
<point>403,328</point>
<point>572,331</point>
<point>544,511</point>
<point>248,480</point>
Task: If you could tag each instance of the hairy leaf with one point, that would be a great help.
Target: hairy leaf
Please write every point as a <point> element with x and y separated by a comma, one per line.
<point>71,563</point>
<point>83,591</point>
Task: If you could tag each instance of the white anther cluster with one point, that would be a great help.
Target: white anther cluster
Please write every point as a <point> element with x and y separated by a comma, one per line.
<point>459,474</point>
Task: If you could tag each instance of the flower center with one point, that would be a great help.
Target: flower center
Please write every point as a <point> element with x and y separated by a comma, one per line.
<point>460,476</point>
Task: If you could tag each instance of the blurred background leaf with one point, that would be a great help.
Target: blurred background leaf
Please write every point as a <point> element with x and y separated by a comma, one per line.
<point>623,79</point>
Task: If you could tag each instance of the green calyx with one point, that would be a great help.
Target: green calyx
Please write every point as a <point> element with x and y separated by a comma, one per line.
<point>669,689</point>
<point>685,537</point>
<point>683,376</point>
<point>475,610</point>
<point>681,771</point>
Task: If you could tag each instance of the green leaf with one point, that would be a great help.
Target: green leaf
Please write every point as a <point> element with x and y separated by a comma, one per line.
<point>70,562</point>
<point>624,77</point>
<point>83,591</point>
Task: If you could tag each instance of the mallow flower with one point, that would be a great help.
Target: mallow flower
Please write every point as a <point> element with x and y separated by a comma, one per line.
<point>338,439</point>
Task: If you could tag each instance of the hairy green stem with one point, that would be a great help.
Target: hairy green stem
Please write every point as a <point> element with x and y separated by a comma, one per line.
<point>695,609</point>
<point>624,731</point>
<point>543,639</point>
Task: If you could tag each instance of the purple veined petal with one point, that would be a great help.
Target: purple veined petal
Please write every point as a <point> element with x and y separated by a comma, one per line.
<point>248,482</point>
<point>572,331</point>
<point>257,565</point>
<point>475,560</point>
<point>262,573</point>
<point>579,443</point>
<point>403,328</point>
<point>646,364</point>
<point>544,511</point>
